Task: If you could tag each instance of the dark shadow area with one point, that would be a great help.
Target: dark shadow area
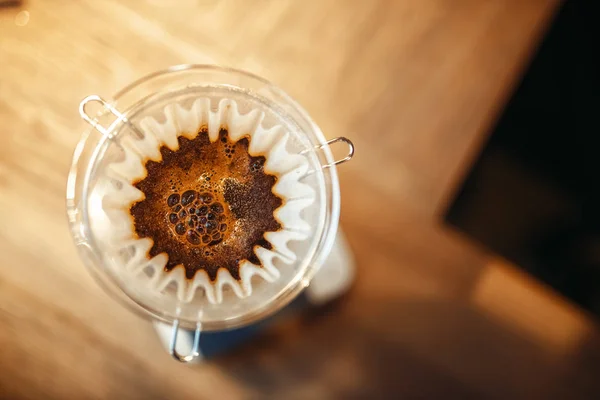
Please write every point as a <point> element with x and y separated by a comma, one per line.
<point>414,349</point>
<point>10,3</point>
<point>533,196</point>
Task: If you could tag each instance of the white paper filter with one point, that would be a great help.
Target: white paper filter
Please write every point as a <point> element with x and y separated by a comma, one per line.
<point>117,198</point>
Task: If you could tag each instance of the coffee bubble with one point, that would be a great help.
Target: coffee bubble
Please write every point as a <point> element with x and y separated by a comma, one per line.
<point>180,228</point>
<point>187,197</point>
<point>173,200</point>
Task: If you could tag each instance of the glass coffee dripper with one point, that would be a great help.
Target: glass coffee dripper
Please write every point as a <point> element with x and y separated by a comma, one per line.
<point>118,117</point>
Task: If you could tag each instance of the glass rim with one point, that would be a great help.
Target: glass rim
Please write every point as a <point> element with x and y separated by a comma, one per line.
<point>324,243</point>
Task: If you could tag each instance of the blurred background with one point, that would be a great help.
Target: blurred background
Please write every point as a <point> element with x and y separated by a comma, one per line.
<point>470,206</point>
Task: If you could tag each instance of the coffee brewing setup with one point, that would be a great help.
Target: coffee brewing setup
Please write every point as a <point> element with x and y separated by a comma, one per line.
<point>308,252</point>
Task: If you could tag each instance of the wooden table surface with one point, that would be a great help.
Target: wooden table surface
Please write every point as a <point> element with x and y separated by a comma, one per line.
<point>415,84</point>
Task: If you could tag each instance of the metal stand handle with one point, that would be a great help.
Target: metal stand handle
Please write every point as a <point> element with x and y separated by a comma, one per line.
<point>195,346</point>
<point>93,122</point>
<point>349,155</point>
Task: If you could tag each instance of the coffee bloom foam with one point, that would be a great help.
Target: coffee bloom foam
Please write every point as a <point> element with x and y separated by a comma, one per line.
<point>120,194</point>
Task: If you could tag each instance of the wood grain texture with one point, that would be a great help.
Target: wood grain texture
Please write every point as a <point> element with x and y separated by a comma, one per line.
<point>415,85</point>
